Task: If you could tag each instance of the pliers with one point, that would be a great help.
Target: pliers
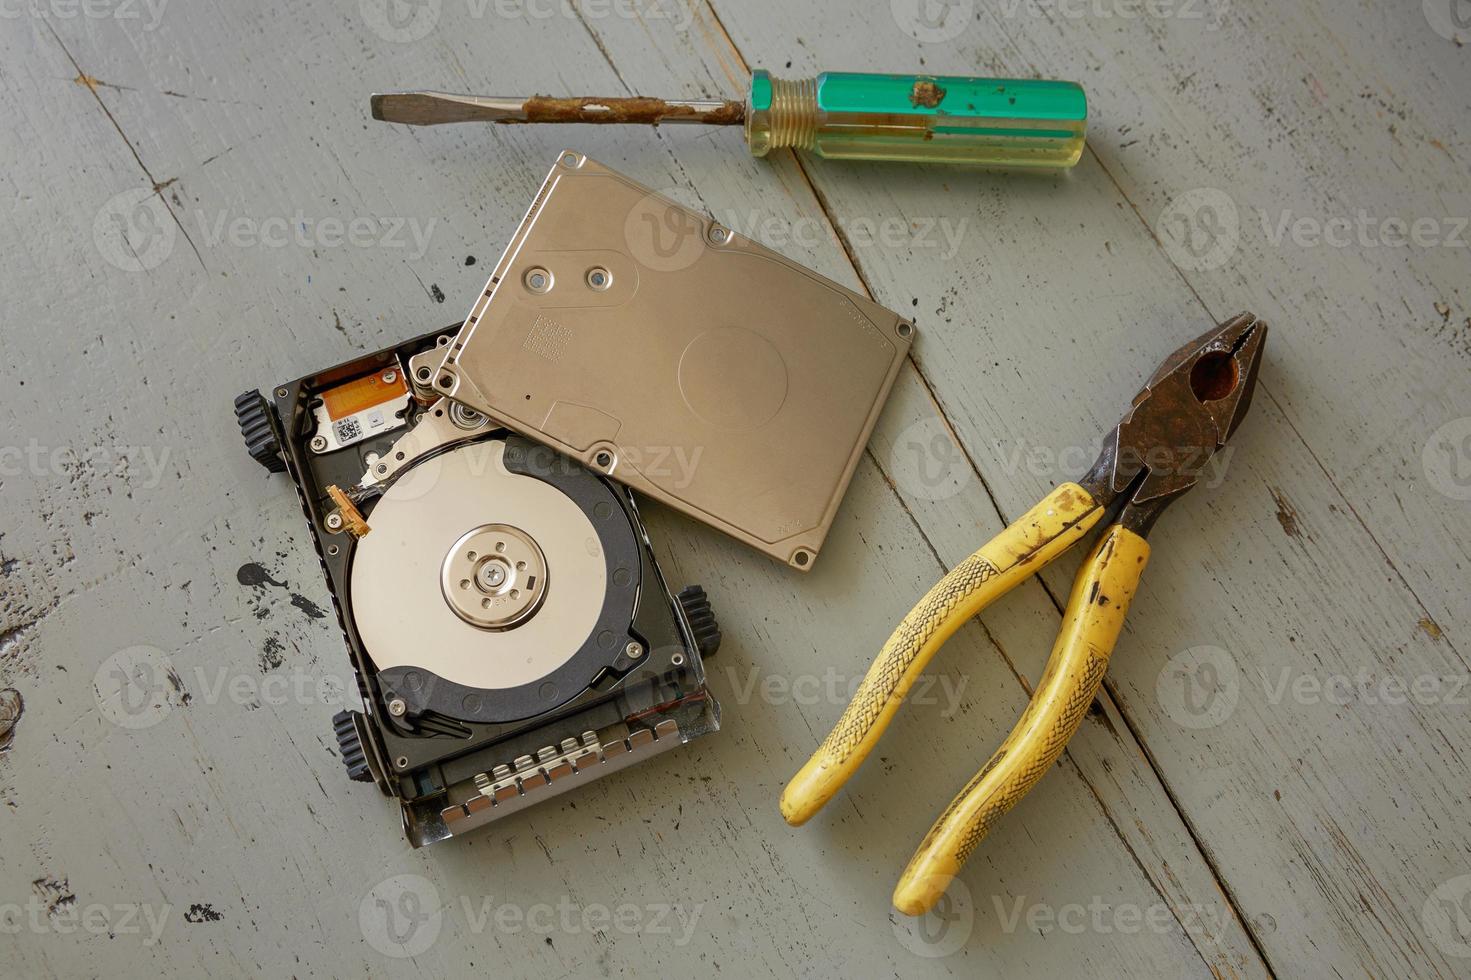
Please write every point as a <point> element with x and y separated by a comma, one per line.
<point>1159,450</point>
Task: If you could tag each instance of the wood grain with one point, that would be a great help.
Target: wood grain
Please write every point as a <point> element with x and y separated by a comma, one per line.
<point>1249,828</point>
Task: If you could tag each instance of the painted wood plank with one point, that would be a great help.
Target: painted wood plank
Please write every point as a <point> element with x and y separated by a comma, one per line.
<point>1326,557</point>
<point>228,816</point>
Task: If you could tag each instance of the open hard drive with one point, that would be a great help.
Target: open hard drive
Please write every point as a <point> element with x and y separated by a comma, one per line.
<point>511,633</point>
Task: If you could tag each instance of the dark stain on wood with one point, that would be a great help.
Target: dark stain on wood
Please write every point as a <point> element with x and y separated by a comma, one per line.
<point>256,576</point>
<point>202,912</point>
<point>1286,514</point>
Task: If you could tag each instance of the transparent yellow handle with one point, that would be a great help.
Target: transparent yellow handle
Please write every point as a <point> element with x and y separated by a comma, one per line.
<point>1095,614</point>
<point>990,122</point>
<point>1039,536</point>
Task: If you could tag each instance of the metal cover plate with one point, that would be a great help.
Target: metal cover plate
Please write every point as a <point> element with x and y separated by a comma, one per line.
<point>679,358</point>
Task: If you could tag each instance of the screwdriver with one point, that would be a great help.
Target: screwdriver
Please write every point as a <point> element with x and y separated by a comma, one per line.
<point>993,122</point>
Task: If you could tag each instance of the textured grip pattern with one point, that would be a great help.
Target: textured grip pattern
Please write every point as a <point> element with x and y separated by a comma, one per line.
<point>1095,615</point>
<point>1036,758</point>
<point>914,633</point>
<point>1011,557</point>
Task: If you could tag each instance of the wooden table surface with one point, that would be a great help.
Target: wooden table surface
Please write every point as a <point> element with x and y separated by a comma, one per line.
<point>1275,779</point>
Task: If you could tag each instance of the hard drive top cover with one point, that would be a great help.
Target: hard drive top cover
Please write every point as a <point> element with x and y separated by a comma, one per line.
<point>677,357</point>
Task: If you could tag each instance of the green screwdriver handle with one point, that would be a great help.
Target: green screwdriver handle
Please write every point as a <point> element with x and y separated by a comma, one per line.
<point>995,122</point>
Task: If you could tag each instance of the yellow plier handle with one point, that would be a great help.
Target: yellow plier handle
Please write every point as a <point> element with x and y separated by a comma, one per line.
<point>1066,689</point>
<point>1037,537</point>
<point>1095,614</point>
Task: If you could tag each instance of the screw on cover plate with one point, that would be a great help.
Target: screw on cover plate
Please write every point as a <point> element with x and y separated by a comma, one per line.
<point>319,443</point>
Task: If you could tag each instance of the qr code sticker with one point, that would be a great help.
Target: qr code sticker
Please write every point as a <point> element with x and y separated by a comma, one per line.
<point>347,430</point>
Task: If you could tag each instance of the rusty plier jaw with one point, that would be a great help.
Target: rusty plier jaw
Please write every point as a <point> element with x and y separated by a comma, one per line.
<point>1178,422</point>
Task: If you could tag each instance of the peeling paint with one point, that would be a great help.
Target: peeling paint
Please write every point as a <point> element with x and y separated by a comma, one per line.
<point>12,706</point>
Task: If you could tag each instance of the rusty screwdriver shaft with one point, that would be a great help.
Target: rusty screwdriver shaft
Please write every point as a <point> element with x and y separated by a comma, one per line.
<point>433,108</point>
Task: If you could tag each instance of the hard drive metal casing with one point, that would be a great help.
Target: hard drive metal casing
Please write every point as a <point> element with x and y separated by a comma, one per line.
<point>449,771</point>
<point>679,358</point>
